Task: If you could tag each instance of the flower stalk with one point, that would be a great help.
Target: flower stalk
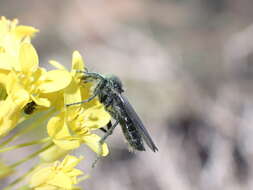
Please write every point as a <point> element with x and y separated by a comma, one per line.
<point>29,157</point>
<point>35,142</point>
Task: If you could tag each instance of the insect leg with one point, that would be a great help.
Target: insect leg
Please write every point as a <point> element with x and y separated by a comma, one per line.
<point>109,132</point>
<point>86,80</point>
<point>109,125</point>
<point>102,140</point>
<point>103,129</point>
<point>96,92</point>
<point>91,74</point>
<point>84,101</point>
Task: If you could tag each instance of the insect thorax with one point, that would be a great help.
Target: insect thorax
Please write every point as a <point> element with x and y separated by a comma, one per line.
<point>115,83</point>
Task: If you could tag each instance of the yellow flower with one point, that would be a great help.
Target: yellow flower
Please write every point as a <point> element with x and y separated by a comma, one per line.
<point>11,38</point>
<point>35,80</point>
<point>23,83</point>
<point>74,127</point>
<point>57,176</point>
<point>10,110</point>
<point>31,83</point>
<point>29,78</point>
<point>77,90</point>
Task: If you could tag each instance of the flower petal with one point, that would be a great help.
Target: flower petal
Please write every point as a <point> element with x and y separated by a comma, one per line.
<point>41,176</point>
<point>61,180</point>
<point>28,58</point>
<point>53,153</point>
<point>54,125</point>
<point>41,101</point>
<point>77,61</point>
<point>57,65</point>
<point>72,93</point>
<point>75,172</point>
<point>55,80</point>
<point>92,141</point>
<point>23,31</point>
<point>96,117</point>
<point>70,162</point>
<point>3,76</point>
<point>68,144</point>
<point>10,110</point>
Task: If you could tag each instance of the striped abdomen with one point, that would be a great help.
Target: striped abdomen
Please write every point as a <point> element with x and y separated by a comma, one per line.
<point>132,135</point>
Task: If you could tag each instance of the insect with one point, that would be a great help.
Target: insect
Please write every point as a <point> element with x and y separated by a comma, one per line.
<point>30,107</point>
<point>109,91</point>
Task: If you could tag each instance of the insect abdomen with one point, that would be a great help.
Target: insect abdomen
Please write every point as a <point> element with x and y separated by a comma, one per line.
<point>132,136</point>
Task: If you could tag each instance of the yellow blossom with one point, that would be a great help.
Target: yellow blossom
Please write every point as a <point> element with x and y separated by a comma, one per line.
<point>31,83</point>
<point>77,90</point>
<point>72,128</point>
<point>11,38</point>
<point>23,83</point>
<point>10,110</point>
<point>57,176</point>
<point>35,80</point>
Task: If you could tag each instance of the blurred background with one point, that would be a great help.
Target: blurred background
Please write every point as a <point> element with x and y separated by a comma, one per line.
<point>187,67</point>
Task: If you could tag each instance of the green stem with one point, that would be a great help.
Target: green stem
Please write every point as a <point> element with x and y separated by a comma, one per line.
<point>25,144</point>
<point>27,129</point>
<point>31,156</point>
<point>16,181</point>
<point>80,179</point>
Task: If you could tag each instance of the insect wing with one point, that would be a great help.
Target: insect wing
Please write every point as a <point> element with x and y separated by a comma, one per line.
<point>138,123</point>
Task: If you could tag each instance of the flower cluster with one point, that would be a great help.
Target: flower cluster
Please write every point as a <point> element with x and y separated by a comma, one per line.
<point>29,92</point>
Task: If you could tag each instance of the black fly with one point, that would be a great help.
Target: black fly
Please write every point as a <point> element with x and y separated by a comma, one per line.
<point>109,91</point>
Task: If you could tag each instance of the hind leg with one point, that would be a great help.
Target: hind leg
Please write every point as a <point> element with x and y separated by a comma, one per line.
<point>102,140</point>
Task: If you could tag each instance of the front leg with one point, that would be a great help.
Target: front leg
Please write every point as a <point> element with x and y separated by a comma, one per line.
<point>96,92</point>
<point>84,101</point>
